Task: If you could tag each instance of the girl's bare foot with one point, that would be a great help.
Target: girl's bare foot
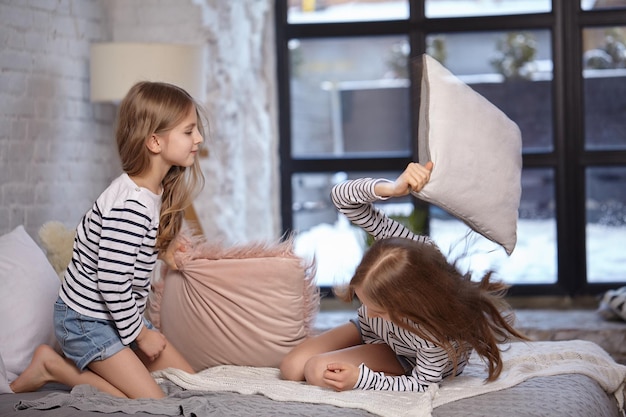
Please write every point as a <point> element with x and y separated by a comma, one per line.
<point>38,372</point>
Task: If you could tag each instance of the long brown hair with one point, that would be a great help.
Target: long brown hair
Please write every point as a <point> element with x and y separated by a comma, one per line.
<point>414,281</point>
<point>155,107</point>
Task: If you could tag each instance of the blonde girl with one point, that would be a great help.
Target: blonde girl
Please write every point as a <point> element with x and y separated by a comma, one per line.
<point>99,323</point>
<point>420,318</point>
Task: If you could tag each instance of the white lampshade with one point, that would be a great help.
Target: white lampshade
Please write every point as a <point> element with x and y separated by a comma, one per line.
<point>115,67</point>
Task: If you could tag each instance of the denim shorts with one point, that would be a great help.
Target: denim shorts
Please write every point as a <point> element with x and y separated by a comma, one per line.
<point>84,339</point>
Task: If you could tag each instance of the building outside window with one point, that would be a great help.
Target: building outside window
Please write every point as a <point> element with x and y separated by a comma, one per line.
<point>557,68</point>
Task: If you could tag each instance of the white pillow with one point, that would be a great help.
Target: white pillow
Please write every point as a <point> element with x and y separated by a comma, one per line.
<point>28,288</point>
<point>477,152</point>
<point>4,382</point>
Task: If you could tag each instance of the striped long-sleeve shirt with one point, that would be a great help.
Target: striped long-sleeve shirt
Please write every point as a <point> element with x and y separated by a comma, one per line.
<point>430,363</point>
<point>113,256</point>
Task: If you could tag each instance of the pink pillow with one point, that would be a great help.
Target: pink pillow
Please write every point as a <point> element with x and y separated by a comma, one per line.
<point>243,305</point>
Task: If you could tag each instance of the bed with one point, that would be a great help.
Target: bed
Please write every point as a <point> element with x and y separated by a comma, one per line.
<point>576,395</point>
<point>558,378</point>
<point>550,379</point>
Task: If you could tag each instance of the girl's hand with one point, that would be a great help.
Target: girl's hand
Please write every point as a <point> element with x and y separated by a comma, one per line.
<point>414,177</point>
<point>151,343</point>
<point>168,257</point>
<point>341,376</point>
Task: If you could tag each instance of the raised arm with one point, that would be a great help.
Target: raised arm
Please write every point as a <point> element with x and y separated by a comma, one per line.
<point>355,198</point>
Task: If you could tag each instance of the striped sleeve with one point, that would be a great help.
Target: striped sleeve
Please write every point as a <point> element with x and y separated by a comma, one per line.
<point>368,334</point>
<point>432,366</point>
<point>355,198</point>
<point>124,265</point>
<point>417,381</point>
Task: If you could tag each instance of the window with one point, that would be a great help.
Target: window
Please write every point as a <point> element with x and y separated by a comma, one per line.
<point>557,68</point>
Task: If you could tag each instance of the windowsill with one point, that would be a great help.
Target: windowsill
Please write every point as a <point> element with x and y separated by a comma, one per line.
<point>522,303</point>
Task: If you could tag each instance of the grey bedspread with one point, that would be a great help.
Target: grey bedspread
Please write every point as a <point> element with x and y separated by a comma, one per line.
<point>571,395</point>
<point>85,401</point>
<point>573,378</point>
<point>555,396</point>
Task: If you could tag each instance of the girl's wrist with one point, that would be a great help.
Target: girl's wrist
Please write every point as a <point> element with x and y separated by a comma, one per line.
<point>384,188</point>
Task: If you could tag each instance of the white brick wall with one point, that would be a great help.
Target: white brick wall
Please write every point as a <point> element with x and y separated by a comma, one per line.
<point>57,151</point>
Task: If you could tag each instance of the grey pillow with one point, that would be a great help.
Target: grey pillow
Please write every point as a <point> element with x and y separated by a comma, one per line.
<point>477,154</point>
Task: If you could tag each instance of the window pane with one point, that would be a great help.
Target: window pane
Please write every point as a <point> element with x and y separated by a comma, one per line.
<point>350,96</point>
<point>534,259</point>
<point>464,8</point>
<point>604,63</point>
<point>324,233</point>
<point>602,4</point>
<point>606,224</point>
<point>326,11</point>
<point>512,70</point>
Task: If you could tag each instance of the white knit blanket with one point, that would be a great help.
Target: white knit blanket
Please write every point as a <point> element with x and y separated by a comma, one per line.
<point>521,362</point>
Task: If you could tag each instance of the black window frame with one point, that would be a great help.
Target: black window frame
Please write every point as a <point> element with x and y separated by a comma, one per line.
<point>568,158</point>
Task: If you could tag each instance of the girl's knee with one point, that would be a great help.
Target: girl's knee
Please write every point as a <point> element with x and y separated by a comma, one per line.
<point>292,368</point>
<point>314,370</point>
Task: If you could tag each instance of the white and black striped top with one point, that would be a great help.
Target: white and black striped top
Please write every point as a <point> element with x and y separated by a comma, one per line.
<point>430,363</point>
<point>354,199</point>
<point>113,256</point>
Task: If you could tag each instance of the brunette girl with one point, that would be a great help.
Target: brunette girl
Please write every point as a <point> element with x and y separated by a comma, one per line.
<point>420,317</point>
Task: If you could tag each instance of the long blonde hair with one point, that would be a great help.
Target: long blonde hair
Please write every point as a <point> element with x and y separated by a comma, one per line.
<point>414,281</point>
<point>155,108</point>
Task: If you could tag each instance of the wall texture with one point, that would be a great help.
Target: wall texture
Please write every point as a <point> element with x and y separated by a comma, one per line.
<point>57,151</point>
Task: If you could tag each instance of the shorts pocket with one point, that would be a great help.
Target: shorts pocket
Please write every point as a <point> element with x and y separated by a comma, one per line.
<point>60,316</point>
